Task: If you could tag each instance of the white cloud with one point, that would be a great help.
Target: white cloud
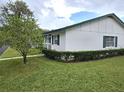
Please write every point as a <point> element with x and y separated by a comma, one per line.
<point>53,14</point>
<point>51,21</point>
<point>56,13</point>
<point>100,6</point>
<point>62,9</point>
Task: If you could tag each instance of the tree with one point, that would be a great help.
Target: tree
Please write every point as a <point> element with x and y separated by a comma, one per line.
<point>20,27</point>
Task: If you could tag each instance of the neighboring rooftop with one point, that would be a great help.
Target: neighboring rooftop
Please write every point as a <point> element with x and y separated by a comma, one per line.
<point>108,15</point>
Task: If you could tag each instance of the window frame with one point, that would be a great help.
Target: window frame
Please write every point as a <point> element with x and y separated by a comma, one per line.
<point>111,39</point>
<point>48,38</point>
<point>56,39</point>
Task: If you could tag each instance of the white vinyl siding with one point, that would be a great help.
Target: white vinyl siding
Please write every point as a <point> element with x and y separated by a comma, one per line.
<point>89,36</point>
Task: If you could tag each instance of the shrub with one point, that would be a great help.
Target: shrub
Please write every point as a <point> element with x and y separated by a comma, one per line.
<point>82,55</point>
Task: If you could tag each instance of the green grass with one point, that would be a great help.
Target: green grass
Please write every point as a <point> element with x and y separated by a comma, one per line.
<point>10,53</point>
<point>42,74</point>
<point>13,53</point>
<point>34,51</point>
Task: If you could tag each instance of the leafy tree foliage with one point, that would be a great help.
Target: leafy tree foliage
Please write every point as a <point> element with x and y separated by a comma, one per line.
<point>20,28</point>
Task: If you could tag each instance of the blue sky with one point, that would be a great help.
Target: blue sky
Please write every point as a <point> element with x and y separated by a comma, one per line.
<point>53,14</point>
<point>81,16</point>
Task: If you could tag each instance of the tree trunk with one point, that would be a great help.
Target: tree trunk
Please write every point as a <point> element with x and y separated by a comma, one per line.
<point>25,59</point>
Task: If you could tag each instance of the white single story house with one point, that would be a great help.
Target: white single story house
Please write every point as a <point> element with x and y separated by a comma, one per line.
<point>101,33</point>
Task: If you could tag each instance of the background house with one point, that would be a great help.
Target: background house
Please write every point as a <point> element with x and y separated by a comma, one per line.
<point>105,32</point>
<point>3,48</point>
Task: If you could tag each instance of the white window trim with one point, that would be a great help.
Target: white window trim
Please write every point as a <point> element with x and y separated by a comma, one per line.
<point>114,46</point>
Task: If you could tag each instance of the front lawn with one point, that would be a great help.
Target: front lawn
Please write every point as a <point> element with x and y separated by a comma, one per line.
<point>10,52</point>
<point>42,74</point>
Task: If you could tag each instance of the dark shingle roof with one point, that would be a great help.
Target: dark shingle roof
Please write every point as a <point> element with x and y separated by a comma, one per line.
<point>94,19</point>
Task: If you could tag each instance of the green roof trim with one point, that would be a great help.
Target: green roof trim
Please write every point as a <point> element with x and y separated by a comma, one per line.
<point>94,19</point>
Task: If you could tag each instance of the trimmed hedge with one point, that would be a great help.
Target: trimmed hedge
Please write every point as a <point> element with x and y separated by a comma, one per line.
<point>82,55</point>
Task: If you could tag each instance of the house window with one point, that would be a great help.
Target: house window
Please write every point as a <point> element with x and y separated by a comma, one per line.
<point>55,39</point>
<point>109,41</point>
<point>48,38</point>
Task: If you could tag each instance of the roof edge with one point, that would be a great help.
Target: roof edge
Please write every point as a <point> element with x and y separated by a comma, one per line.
<point>93,19</point>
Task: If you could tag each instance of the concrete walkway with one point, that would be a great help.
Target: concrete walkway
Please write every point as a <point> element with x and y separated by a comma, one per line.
<point>20,57</point>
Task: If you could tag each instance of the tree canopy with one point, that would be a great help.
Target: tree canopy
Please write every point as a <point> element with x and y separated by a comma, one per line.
<point>20,27</point>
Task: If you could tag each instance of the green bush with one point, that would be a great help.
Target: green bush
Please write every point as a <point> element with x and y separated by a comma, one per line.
<point>82,55</point>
